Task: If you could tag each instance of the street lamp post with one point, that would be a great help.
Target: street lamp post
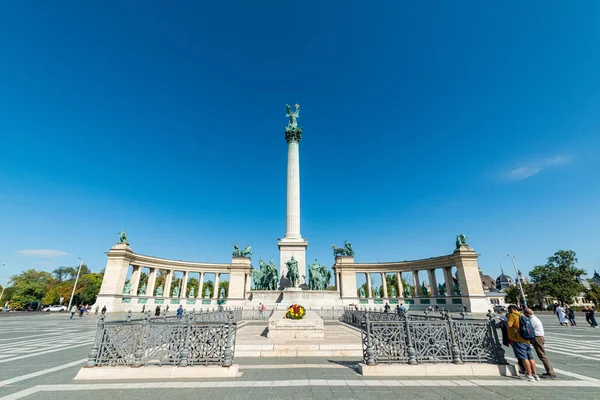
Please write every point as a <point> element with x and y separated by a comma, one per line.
<point>75,284</point>
<point>519,275</point>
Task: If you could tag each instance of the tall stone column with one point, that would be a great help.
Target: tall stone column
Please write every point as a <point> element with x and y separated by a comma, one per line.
<point>417,284</point>
<point>370,292</point>
<point>135,279</point>
<point>184,285</point>
<point>292,243</point>
<point>400,285</point>
<point>200,288</point>
<point>449,281</point>
<point>216,290</point>
<point>433,282</point>
<point>168,280</point>
<point>151,282</point>
<point>384,285</point>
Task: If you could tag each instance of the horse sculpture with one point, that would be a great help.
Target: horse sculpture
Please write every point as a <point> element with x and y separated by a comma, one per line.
<point>345,251</point>
<point>318,277</point>
<point>265,278</point>
<point>247,251</point>
<point>461,240</point>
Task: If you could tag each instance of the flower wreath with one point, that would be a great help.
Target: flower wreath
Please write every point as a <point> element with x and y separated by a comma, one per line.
<point>295,311</point>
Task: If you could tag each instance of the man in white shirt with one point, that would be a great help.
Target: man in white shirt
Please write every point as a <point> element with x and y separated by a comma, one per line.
<point>538,342</point>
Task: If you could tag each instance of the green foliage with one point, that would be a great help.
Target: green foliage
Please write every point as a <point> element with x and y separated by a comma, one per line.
<point>593,294</point>
<point>30,286</point>
<point>558,277</point>
<point>513,295</point>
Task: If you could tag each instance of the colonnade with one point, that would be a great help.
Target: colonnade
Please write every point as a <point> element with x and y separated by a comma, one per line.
<point>168,282</point>
<point>469,294</point>
<point>416,283</point>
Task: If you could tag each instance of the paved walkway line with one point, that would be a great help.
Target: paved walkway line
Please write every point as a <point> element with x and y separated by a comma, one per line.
<point>67,347</point>
<point>286,366</point>
<point>300,382</point>
<point>562,371</point>
<point>42,372</point>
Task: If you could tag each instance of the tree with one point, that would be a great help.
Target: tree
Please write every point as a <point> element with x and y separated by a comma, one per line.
<point>513,295</point>
<point>30,286</point>
<point>532,294</point>
<point>558,277</point>
<point>593,293</point>
<point>70,273</point>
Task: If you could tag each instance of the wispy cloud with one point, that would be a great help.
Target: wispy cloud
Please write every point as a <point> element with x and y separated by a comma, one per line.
<point>42,253</point>
<point>534,168</point>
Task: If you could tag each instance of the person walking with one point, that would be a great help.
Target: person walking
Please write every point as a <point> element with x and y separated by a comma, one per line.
<point>143,308</point>
<point>104,310</point>
<point>590,317</point>
<point>261,310</point>
<point>539,342</point>
<point>96,310</point>
<point>73,311</point>
<point>562,316</point>
<point>81,310</point>
<point>521,346</point>
<point>386,308</point>
<point>570,315</point>
<point>157,311</point>
<point>180,312</point>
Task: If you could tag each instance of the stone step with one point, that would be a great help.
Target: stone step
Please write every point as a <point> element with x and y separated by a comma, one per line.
<point>299,353</point>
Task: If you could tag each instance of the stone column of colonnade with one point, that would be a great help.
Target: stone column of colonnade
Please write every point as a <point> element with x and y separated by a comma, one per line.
<point>135,279</point>
<point>184,285</point>
<point>400,285</point>
<point>415,274</point>
<point>433,282</point>
<point>384,285</point>
<point>200,293</point>
<point>151,282</point>
<point>216,287</point>
<point>168,280</point>
<point>449,281</point>
<point>370,292</point>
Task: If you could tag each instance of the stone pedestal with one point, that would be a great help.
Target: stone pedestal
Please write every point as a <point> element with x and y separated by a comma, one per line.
<point>311,326</point>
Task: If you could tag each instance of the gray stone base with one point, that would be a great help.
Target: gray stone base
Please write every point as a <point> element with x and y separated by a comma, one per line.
<point>310,326</point>
<point>211,371</point>
<point>438,370</point>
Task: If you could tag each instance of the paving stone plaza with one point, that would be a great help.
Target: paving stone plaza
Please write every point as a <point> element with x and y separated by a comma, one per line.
<point>41,353</point>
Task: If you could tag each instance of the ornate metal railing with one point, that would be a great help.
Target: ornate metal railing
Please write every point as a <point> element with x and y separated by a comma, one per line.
<point>181,341</point>
<point>439,340</point>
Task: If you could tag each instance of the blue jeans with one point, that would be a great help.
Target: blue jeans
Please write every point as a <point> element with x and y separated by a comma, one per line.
<point>72,314</point>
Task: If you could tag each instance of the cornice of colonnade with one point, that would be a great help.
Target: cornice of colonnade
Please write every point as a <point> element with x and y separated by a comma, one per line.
<point>347,263</point>
<point>121,250</point>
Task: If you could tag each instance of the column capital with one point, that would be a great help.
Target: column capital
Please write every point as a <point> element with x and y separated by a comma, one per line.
<point>293,134</point>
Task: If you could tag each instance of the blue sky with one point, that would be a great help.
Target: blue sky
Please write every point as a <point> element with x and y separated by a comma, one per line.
<point>421,121</point>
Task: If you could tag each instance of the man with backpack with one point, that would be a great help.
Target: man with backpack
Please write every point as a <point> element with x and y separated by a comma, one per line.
<point>538,343</point>
<point>520,333</point>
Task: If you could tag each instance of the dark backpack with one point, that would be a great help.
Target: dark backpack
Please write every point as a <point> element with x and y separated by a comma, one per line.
<point>525,328</point>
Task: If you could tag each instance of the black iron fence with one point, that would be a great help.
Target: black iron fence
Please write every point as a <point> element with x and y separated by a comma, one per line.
<point>416,339</point>
<point>193,339</point>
